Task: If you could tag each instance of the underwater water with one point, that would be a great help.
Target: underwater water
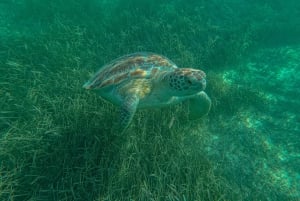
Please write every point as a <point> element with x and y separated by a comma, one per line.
<point>57,141</point>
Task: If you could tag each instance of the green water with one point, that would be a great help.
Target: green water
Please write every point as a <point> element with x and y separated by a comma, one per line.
<point>57,141</point>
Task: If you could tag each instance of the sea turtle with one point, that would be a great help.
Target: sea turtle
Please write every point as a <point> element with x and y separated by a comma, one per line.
<point>149,80</point>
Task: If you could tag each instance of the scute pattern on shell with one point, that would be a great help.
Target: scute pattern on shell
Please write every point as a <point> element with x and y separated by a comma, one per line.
<point>137,65</point>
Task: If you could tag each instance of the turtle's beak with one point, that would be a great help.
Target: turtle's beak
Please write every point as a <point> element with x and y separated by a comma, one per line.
<point>199,84</point>
<point>200,77</point>
<point>203,82</point>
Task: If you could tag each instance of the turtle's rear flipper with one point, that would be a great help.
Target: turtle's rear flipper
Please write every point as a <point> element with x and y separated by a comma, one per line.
<point>199,105</point>
<point>127,110</point>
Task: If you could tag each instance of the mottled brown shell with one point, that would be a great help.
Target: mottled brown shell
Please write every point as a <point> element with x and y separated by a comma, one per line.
<point>138,65</point>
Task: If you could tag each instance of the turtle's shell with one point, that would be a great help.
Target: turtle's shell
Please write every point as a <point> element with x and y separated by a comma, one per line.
<point>136,65</point>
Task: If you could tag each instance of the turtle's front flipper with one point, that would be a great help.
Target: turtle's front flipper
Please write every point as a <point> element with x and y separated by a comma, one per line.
<point>128,109</point>
<point>199,105</point>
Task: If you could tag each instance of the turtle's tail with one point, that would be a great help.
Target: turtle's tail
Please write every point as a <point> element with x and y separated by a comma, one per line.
<point>87,85</point>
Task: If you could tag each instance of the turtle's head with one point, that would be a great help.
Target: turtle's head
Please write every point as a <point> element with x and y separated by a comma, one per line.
<point>185,81</point>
